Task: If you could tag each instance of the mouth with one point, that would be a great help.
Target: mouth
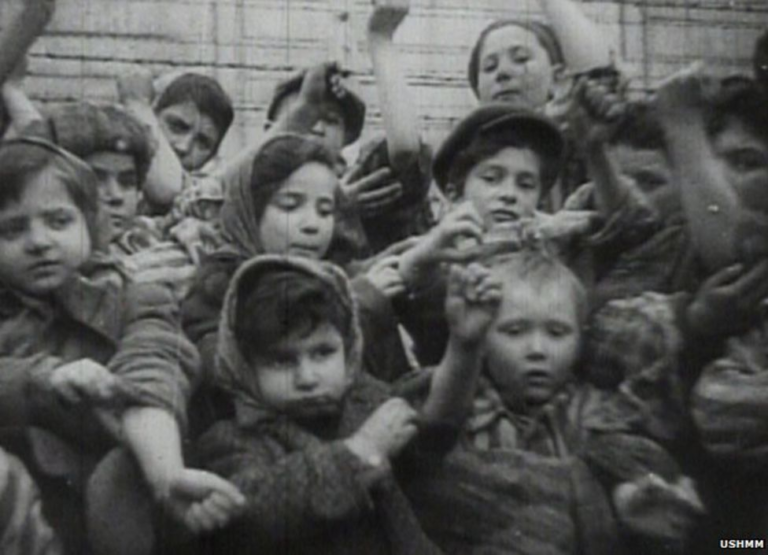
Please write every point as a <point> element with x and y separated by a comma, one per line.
<point>538,377</point>
<point>44,268</point>
<point>503,215</point>
<point>303,250</point>
<point>509,94</point>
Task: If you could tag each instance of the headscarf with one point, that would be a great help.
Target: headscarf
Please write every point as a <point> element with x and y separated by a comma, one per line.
<point>241,217</point>
<point>231,370</point>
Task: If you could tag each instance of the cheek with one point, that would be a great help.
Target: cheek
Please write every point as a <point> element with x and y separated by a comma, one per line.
<point>273,233</point>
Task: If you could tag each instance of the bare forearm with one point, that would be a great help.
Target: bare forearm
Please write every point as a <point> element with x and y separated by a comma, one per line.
<point>583,45</point>
<point>611,189</point>
<point>453,384</point>
<point>709,203</point>
<point>165,176</point>
<point>398,111</point>
<point>20,109</point>
<point>155,440</point>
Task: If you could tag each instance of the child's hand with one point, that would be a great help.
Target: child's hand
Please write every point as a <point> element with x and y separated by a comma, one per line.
<point>136,86</point>
<point>596,111</point>
<point>728,301</point>
<point>385,276</point>
<point>685,94</point>
<point>471,302</point>
<point>322,83</point>
<point>202,501</point>
<point>387,16</point>
<point>373,193</point>
<point>193,235</point>
<point>86,381</point>
<point>654,508</point>
<point>385,433</point>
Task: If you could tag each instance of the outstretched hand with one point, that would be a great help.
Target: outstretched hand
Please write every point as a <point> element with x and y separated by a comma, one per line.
<point>596,111</point>
<point>387,16</point>
<point>373,193</point>
<point>202,501</point>
<point>472,301</point>
<point>685,94</point>
<point>728,301</point>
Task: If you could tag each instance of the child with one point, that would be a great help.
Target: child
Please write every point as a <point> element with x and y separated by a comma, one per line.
<point>318,447</point>
<point>530,398</point>
<point>195,114</point>
<point>188,122</point>
<point>290,207</point>
<point>87,355</point>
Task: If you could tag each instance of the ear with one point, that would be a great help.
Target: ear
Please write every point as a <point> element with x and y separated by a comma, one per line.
<point>452,193</point>
<point>561,83</point>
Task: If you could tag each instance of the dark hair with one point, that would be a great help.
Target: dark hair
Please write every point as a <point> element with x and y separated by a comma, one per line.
<point>484,146</point>
<point>274,306</point>
<point>23,159</point>
<point>640,128</point>
<point>760,60</point>
<point>744,101</point>
<point>543,32</point>
<point>540,268</point>
<point>204,92</point>
<point>277,159</point>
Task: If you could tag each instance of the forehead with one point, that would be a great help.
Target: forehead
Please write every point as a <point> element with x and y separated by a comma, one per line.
<point>302,339</point>
<point>513,160</point>
<point>117,162</point>
<point>312,179</point>
<point>45,189</point>
<point>189,112</point>
<point>509,37</point>
<point>532,299</point>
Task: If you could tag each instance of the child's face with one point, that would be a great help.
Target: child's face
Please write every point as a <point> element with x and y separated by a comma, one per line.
<point>330,127</point>
<point>300,216</point>
<point>514,68</point>
<point>745,158</point>
<point>532,346</point>
<point>650,170</point>
<point>118,189</point>
<point>304,376</point>
<point>192,135</point>
<point>505,187</point>
<point>44,237</point>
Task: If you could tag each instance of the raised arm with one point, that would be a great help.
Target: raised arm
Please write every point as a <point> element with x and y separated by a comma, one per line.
<point>398,110</point>
<point>26,21</point>
<point>165,177</point>
<point>710,204</point>
<point>584,46</point>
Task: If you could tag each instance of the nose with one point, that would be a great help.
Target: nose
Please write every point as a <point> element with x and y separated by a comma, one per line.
<point>38,237</point>
<point>508,191</point>
<point>536,347</point>
<point>182,144</point>
<point>112,192</point>
<point>309,224</point>
<point>304,377</point>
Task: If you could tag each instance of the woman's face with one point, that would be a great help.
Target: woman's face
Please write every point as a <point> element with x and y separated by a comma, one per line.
<point>300,216</point>
<point>514,67</point>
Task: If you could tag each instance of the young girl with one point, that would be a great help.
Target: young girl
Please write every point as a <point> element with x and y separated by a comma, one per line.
<point>317,446</point>
<point>291,206</point>
<point>88,357</point>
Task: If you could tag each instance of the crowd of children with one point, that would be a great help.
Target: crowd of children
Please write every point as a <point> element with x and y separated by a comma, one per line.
<point>545,335</point>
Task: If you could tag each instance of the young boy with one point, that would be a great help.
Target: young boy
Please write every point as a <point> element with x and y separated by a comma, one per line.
<point>531,398</point>
<point>88,356</point>
<point>317,447</point>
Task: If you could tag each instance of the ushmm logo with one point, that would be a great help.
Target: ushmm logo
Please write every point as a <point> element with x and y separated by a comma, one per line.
<point>742,544</point>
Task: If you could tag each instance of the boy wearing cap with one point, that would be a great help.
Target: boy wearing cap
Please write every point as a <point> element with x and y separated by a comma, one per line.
<point>495,167</point>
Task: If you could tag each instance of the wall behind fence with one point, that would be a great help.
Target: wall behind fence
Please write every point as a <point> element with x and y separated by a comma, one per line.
<point>251,44</point>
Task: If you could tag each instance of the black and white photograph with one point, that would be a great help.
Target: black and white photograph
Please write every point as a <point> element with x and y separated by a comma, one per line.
<point>383,277</point>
